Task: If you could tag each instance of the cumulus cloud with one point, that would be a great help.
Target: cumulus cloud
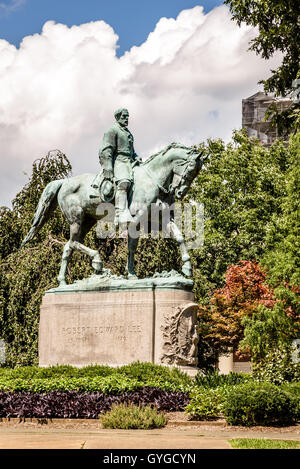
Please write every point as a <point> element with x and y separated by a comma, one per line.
<point>61,87</point>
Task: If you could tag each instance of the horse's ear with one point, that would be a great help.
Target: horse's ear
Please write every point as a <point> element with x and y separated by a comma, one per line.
<point>197,155</point>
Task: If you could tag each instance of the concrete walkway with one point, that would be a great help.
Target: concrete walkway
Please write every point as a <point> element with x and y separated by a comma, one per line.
<point>89,434</point>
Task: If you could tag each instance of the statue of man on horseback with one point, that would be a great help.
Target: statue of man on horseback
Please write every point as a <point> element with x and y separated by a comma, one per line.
<point>163,177</point>
<point>117,158</point>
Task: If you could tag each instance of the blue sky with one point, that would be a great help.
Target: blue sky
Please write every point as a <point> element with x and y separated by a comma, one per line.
<point>132,20</point>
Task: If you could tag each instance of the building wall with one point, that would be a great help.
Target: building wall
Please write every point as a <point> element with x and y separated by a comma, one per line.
<point>253,115</point>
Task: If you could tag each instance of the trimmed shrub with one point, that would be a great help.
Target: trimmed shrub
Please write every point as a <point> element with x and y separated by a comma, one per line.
<point>141,371</point>
<point>115,384</point>
<point>206,404</point>
<point>260,404</point>
<point>293,389</point>
<point>130,416</point>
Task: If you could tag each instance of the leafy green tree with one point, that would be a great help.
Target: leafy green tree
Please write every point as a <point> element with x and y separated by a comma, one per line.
<point>278,28</point>
<point>271,329</point>
<point>248,216</point>
<point>241,187</point>
<point>282,256</point>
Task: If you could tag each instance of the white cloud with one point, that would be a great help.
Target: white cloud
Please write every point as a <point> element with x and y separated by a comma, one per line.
<point>61,87</point>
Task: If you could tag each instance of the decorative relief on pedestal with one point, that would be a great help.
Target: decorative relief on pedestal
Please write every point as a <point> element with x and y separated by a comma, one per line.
<point>180,336</point>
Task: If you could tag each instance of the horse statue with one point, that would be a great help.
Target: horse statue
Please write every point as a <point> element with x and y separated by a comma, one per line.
<point>163,177</point>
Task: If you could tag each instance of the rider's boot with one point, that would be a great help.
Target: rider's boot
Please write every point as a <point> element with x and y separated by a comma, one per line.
<point>122,214</point>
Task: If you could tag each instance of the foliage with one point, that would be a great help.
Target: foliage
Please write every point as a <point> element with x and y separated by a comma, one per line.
<point>281,259</point>
<point>269,330</point>
<point>74,404</point>
<point>129,416</point>
<point>206,403</point>
<point>251,205</point>
<point>244,291</point>
<point>114,384</point>
<point>260,404</point>
<point>213,379</point>
<point>263,443</point>
<point>277,24</point>
<point>95,378</point>
<point>241,187</point>
<point>147,372</point>
<point>277,367</point>
<point>142,372</point>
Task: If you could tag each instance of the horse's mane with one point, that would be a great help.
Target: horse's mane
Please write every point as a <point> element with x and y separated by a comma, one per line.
<point>164,150</point>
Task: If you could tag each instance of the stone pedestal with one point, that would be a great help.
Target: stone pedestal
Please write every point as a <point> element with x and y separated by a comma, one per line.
<point>155,323</point>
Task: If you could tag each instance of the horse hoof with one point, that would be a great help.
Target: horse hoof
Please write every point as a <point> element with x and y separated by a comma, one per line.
<point>97,268</point>
<point>132,277</point>
<point>97,265</point>
<point>187,270</point>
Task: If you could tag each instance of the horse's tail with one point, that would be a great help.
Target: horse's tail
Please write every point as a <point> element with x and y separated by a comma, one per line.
<point>47,203</point>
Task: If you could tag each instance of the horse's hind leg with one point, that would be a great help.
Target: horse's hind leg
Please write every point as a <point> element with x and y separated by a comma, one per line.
<point>64,264</point>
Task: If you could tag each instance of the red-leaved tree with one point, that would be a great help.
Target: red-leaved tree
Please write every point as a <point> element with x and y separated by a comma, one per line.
<point>245,289</point>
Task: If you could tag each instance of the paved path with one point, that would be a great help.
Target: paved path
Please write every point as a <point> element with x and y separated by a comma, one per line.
<point>90,435</point>
<point>26,438</point>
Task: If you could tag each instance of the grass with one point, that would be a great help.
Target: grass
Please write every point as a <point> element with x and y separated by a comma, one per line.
<point>263,443</point>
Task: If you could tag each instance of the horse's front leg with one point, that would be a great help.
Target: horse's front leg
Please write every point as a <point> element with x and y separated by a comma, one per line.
<point>178,236</point>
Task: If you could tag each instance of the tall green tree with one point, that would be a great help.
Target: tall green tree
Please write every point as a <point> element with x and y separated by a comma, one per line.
<point>280,325</point>
<point>248,217</point>
<point>278,27</point>
<point>241,187</point>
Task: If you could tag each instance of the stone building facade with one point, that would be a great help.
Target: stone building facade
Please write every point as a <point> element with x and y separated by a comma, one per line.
<point>253,115</point>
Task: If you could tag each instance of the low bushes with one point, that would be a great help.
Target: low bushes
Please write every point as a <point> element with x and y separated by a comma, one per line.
<point>73,404</point>
<point>107,385</point>
<point>138,370</point>
<point>130,416</point>
<point>206,404</point>
<point>260,404</point>
<point>94,378</point>
<point>70,392</point>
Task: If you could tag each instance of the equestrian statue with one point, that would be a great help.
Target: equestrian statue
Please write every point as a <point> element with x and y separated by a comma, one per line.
<point>125,181</point>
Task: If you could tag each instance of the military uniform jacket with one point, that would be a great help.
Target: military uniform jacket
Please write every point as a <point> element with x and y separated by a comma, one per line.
<point>118,142</point>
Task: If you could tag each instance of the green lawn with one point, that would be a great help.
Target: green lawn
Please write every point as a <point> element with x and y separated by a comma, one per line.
<point>262,443</point>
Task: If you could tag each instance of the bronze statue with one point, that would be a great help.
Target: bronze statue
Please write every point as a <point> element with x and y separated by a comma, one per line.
<point>163,177</point>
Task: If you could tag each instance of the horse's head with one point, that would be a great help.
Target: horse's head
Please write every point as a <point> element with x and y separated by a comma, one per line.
<point>178,166</point>
<point>185,170</point>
